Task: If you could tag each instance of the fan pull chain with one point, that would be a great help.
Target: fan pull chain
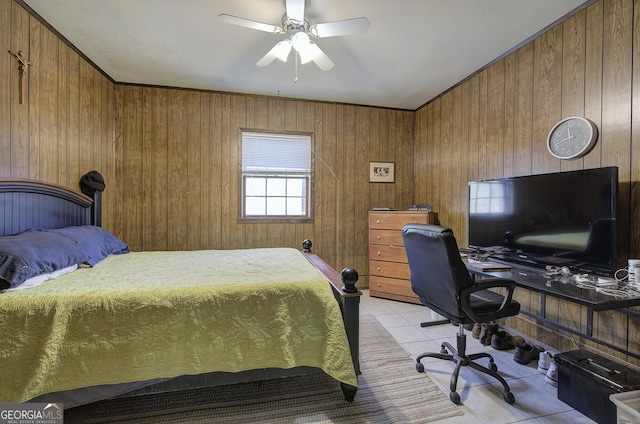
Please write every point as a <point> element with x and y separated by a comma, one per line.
<point>295,81</point>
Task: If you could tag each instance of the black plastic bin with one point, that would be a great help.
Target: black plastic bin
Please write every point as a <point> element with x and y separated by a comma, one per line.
<point>585,381</point>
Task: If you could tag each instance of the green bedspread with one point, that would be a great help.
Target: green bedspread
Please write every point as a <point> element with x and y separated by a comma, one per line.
<point>147,315</point>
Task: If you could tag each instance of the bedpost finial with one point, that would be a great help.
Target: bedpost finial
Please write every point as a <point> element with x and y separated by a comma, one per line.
<point>349,278</point>
<point>92,181</point>
<point>306,245</point>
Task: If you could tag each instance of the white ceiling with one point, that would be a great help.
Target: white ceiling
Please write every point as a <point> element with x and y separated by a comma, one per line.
<point>413,50</point>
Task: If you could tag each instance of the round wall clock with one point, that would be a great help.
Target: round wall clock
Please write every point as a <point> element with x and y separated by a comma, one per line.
<point>572,137</point>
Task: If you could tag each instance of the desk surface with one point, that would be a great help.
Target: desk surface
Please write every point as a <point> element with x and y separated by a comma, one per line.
<point>564,287</point>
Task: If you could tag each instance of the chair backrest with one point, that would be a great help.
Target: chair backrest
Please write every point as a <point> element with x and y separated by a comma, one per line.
<point>437,270</point>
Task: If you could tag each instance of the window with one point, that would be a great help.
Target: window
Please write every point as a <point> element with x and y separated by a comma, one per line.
<point>276,176</point>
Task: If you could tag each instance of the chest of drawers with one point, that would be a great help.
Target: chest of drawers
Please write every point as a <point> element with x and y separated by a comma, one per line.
<point>389,275</point>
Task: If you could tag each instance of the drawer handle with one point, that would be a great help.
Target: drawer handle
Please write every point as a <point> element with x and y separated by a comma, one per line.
<point>377,221</point>
<point>379,285</point>
<point>378,268</point>
<point>379,237</point>
<point>379,253</point>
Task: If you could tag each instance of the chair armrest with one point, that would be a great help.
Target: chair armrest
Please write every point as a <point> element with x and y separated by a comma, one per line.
<point>465,298</point>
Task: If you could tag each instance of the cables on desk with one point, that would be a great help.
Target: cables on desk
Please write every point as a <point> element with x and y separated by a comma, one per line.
<point>606,286</point>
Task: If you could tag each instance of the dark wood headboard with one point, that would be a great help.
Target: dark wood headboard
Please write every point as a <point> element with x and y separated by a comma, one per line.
<point>26,204</point>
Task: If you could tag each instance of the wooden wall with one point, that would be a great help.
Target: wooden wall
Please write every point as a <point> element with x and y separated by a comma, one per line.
<point>64,128</point>
<point>177,154</point>
<point>495,124</point>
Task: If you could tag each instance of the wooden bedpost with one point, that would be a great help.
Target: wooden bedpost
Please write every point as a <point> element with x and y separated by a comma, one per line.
<point>351,313</point>
<point>349,278</point>
<point>306,245</point>
<point>347,295</point>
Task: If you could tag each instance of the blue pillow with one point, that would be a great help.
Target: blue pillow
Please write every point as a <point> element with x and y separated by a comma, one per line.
<point>96,242</point>
<point>32,253</point>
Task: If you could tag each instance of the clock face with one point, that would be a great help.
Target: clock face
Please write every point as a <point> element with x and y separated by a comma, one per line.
<point>572,137</point>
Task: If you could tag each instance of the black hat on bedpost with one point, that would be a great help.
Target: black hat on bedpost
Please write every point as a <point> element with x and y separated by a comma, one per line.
<point>92,184</point>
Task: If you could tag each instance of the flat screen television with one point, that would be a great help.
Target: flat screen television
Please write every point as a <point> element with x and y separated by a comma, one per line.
<point>559,219</point>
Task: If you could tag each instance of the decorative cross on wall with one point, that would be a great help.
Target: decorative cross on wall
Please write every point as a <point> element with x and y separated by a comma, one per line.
<point>23,63</point>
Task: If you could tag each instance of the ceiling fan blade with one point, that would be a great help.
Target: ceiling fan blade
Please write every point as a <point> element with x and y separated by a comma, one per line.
<point>320,58</point>
<point>248,23</point>
<point>295,10</point>
<point>338,28</point>
<point>279,51</point>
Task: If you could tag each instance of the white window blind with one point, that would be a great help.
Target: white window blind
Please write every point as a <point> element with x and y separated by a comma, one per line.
<point>264,152</point>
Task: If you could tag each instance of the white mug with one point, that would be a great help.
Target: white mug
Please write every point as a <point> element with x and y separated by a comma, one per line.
<point>633,269</point>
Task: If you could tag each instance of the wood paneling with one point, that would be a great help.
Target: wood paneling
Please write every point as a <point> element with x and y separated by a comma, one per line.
<point>178,173</point>
<point>64,128</point>
<point>7,97</point>
<point>586,66</point>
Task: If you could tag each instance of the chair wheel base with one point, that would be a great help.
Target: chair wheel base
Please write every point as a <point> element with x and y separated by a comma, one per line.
<point>455,397</point>
<point>508,397</point>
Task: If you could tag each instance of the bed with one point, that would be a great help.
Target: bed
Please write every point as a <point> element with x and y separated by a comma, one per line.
<point>156,321</point>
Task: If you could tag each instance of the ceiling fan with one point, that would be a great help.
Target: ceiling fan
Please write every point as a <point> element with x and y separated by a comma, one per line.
<point>300,32</point>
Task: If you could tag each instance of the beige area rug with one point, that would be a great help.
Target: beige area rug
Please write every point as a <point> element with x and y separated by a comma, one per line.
<point>390,391</point>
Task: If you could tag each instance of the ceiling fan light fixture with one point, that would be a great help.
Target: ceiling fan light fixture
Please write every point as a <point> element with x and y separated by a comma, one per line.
<point>300,41</point>
<point>282,50</point>
<point>305,57</point>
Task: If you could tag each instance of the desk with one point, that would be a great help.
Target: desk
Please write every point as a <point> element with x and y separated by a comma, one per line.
<point>556,286</point>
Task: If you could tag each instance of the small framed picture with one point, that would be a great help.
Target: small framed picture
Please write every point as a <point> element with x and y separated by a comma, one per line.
<point>382,172</point>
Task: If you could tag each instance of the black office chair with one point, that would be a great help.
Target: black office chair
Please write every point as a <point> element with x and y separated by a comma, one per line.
<point>440,279</point>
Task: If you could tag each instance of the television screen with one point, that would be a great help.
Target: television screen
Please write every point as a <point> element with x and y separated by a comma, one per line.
<point>561,219</point>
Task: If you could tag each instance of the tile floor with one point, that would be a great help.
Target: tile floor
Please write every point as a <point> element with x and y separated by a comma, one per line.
<point>481,397</point>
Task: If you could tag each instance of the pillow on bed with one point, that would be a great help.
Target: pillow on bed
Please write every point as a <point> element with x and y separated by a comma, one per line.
<point>41,278</point>
<point>32,253</point>
<point>96,242</point>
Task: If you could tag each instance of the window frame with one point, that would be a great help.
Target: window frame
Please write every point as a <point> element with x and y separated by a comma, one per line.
<point>275,219</point>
